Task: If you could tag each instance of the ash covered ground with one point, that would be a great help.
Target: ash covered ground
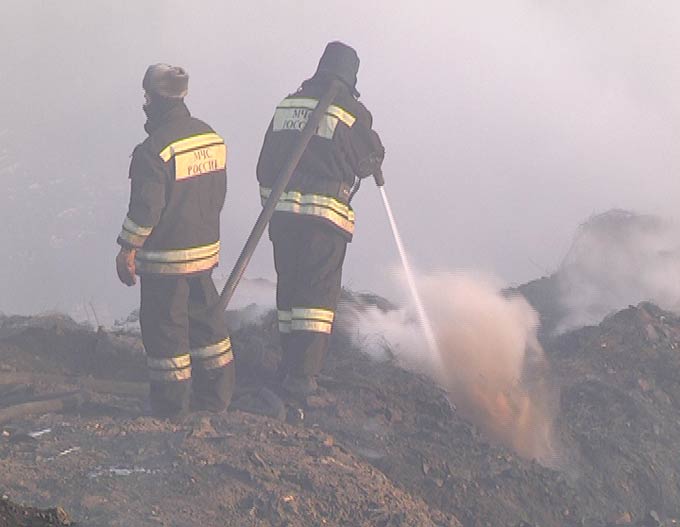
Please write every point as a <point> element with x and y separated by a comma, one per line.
<point>379,446</point>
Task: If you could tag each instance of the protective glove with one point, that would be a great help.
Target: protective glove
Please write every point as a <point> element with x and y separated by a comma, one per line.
<point>372,161</point>
<point>125,266</point>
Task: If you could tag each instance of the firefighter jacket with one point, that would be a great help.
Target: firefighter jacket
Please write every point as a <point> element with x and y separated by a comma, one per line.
<point>343,149</point>
<point>178,185</point>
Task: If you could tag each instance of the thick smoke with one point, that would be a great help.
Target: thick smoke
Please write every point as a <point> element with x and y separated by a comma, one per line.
<point>619,258</point>
<point>525,111</point>
<point>490,361</point>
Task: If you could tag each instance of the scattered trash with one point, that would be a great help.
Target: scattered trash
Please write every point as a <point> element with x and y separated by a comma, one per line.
<point>39,433</point>
<point>295,416</point>
<point>69,451</point>
<point>119,472</point>
<point>63,453</point>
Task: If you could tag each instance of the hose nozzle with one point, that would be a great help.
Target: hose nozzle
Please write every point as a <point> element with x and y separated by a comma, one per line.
<point>378,176</point>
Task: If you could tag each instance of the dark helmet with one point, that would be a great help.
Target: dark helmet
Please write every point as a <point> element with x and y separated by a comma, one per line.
<point>171,82</point>
<point>342,61</point>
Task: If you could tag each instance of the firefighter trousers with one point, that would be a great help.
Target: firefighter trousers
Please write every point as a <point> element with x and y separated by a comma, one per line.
<point>189,356</point>
<point>308,257</point>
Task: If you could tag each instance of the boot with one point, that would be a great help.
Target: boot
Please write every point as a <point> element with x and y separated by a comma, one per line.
<point>300,385</point>
<point>264,402</point>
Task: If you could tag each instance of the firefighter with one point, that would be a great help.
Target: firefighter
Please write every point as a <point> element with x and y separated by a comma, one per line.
<point>171,239</point>
<point>313,220</point>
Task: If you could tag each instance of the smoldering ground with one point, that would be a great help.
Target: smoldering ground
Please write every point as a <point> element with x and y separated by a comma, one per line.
<point>489,359</point>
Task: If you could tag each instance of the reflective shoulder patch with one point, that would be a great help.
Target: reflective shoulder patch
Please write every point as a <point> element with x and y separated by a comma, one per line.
<point>293,113</point>
<point>342,114</point>
<point>310,103</point>
<point>196,155</point>
<point>299,102</point>
<point>190,143</point>
<point>200,161</point>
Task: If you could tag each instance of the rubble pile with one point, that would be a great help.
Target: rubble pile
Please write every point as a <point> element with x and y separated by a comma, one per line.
<point>378,446</point>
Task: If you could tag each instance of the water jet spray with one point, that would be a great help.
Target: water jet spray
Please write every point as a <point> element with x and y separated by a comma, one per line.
<point>425,324</point>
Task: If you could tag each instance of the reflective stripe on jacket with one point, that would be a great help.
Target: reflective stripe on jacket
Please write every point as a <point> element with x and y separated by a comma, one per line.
<point>182,261</point>
<point>331,209</point>
<point>178,186</point>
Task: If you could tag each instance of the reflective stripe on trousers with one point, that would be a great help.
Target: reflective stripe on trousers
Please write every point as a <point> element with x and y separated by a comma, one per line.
<point>169,370</point>
<point>317,320</point>
<point>285,319</point>
<point>214,356</point>
<point>179,368</point>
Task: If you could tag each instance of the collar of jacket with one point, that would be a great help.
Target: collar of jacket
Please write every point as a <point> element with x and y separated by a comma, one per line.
<point>323,79</point>
<point>175,111</point>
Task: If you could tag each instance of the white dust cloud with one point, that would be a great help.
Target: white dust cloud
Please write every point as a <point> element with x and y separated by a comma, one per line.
<point>490,361</point>
<point>619,258</point>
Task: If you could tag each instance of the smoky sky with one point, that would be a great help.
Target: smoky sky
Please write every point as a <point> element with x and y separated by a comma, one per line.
<point>506,124</point>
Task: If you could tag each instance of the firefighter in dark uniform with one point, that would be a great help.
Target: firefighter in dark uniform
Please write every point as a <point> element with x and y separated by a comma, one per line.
<point>314,221</point>
<point>171,239</point>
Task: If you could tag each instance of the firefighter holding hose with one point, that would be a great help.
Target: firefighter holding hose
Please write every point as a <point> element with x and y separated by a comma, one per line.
<point>313,219</point>
<point>171,239</point>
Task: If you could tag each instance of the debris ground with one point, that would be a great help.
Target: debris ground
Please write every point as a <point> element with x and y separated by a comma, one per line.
<point>378,446</point>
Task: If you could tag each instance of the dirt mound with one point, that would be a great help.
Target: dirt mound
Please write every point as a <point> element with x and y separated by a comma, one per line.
<point>378,446</point>
<point>620,406</point>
